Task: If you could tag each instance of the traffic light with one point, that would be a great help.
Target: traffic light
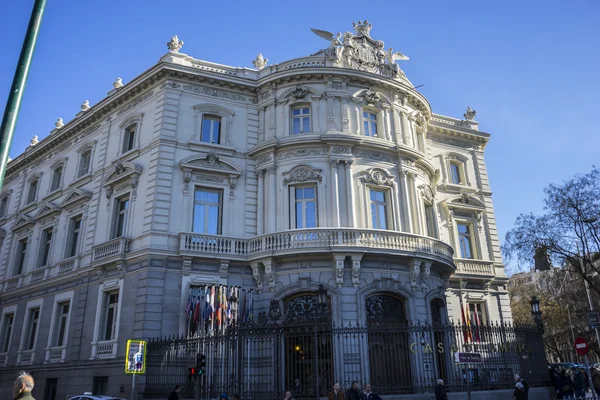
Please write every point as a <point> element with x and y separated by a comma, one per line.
<point>201,364</point>
<point>192,371</point>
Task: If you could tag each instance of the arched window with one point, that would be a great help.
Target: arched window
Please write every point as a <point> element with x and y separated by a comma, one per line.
<point>389,349</point>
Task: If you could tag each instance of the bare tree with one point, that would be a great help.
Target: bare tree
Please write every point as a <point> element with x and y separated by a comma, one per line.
<point>567,232</point>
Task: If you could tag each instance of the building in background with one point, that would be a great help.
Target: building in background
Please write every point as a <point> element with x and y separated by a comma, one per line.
<point>330,169</point>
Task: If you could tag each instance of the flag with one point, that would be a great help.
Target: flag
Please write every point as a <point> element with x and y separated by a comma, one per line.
<point>188,305</point>
<point>476,323</point>
<point>243,306</point>
<point>201,307</point>
<point>464,324</point>
<point>197,310</point>
<point>218,306</point>
<point>469,336</point>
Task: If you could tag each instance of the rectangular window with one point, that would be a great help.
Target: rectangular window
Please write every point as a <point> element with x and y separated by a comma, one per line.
<point>50,389</point>
<point>300,120</point>
<point>7,329</point>
<point>56,179</point>
<point>121,211</point>
<point>31,195</point>
<point>84,163</point>
<point>306,207</point>
<point>32,327</point>
<point>455,175</point>
<point>464,240</point>
<point>211,129</point>
<point>477,314</point>
<point>21,253</point>
<point>378,209</point>
<point>111,305</point>
<point>74,233</point>
<point>61,324</point>
<point>3,207</point>
<point>370,124</point>
<point>430,220</point>
<point>207,211</point>
<point>45,246</point>
<point>129,138</point>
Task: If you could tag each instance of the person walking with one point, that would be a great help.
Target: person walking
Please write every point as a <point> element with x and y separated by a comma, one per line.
<point>354,392</point>
<point>288,395</point>
<point>336,393</point>
<point>175,393</point>
<point>440,391</point>
<point>23,386</point>
<point>368,393</point>
<point>522,381</point>
<point>519,393</point>
<point>579,383</point>
<point>565,386</point>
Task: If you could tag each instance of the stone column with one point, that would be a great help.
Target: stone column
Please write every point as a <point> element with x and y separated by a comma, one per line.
<point>335,206</point>
<point>405,200</point>
<point>345,116</point>
<point>272,223</point>
<point>405,129</point>
<point>396,128</point>
<point>260,203</point>
<point>350,193</point>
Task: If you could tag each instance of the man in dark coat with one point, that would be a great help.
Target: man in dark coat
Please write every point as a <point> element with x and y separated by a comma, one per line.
<point>23,386</point>
<point>175,393</point>
<point>354,392</point>
<point>368,393</point>
<point>440,391</point>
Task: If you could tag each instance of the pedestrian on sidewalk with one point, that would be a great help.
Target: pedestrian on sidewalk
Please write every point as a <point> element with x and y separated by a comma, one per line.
<point>175,393</point>
<point>565,386</point>
<point>440,391</point>
<point>23,386</point>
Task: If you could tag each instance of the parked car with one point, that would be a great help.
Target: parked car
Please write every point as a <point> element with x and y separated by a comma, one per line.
<point>90,396</point>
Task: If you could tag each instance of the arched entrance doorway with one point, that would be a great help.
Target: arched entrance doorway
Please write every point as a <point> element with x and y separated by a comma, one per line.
<point>308,350</point>
<point>388,341</point>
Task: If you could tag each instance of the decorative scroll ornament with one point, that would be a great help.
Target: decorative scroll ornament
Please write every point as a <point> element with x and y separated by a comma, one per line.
<point>371,97</point>
<point>428,192</point>
<point>301,310</point>
<point>175,44</point>
<point>260,62</point>
<point>360,51</point>
<point>470,114</point>
<point>378,177</point>
<point>303,173</point>
<point>299,92</point>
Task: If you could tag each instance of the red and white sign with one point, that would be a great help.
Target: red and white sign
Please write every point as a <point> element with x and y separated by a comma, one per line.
<point>581,346</point>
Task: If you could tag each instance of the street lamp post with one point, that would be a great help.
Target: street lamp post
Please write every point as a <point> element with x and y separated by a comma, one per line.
<point>536,313</point>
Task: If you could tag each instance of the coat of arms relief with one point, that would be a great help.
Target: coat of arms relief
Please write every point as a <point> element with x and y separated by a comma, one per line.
<point>360,51</point>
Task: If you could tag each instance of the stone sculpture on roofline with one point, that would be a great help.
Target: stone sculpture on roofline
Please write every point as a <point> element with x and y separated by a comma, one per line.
<point>360,51</point>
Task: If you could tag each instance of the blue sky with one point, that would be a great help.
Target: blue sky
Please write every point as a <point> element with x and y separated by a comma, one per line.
<point>529,68</point>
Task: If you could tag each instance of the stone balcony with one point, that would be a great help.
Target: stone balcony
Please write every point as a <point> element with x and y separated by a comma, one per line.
<point>323,240</point>
<point>111,251</point>
<point>474,267</point>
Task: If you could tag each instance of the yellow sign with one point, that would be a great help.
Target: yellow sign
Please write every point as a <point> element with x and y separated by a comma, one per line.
<point>135,360</point>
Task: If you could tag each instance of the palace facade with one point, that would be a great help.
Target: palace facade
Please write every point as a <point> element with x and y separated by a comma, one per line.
<point>330,169</point>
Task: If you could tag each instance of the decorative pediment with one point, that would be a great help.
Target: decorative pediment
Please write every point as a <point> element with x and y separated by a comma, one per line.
<point>211,163</point>
<point>465,201</point>
<point>47,210</point>
<point>377,176</point>
<point>75,196</point>
<point>302,173</point>
<point>122,171</point>
<point>23,221</point>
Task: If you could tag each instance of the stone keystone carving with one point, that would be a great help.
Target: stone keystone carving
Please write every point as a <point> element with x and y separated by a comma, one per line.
<point>175,44</point>
<point>299,92</point>
<point>371,97</point>
<point>470,114</point>
<point>260,62</point>
<point>360,51</point>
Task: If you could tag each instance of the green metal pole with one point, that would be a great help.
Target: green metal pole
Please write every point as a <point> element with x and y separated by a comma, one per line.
<point>15,97</point>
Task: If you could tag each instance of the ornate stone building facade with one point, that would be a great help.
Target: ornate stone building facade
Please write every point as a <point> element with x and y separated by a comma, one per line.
<point>329,169</point>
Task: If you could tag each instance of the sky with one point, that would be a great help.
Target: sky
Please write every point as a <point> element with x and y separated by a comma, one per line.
<point>529,68</point>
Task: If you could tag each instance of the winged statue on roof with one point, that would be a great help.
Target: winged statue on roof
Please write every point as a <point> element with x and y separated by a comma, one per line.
<point>360,51</point>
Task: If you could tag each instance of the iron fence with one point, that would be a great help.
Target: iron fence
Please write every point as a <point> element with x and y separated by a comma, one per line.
<point>262,361</point>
